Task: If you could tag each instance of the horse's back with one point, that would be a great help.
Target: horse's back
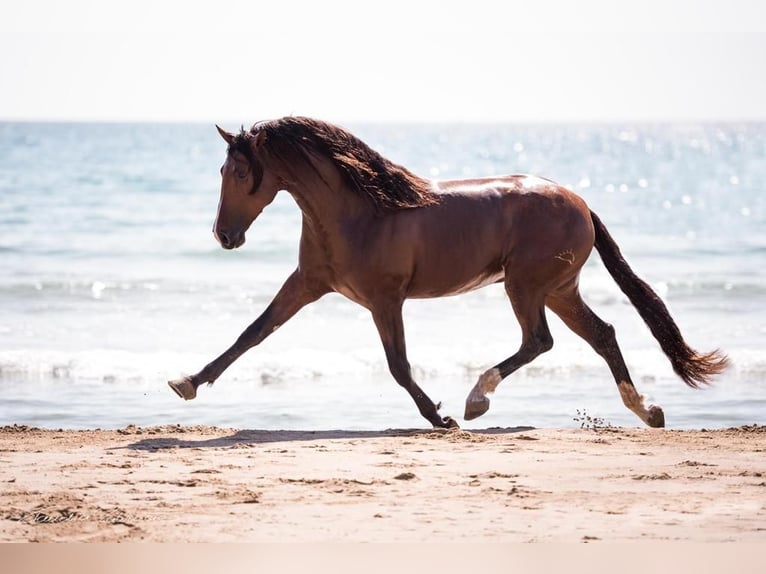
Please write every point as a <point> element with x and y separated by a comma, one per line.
<point>485,227</point>
<point>527,209</point>
<point>540,227</point>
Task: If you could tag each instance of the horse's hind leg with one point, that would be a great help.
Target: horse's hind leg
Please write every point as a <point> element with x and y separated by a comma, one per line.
<point>536,339</point>
<point>568,305</point>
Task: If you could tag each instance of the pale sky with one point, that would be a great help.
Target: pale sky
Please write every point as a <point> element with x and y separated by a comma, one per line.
<point>414,60</point>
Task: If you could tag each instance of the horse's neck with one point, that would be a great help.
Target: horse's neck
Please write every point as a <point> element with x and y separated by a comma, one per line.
<point>325,198</point>
<point>330,210</point>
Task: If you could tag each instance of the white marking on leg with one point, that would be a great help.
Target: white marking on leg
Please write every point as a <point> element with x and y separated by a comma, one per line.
<point>477,403</point>
<point>487,383</point>
<point>489,380</point>
<point>633,400</point>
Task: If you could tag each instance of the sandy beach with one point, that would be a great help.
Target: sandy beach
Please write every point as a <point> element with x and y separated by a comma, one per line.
<point>195,484</point>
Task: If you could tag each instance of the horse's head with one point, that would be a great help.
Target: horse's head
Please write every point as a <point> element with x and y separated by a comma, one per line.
<point>246,188</point>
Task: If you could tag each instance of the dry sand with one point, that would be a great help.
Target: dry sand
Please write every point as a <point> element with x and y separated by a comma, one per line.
<point>187,484</point>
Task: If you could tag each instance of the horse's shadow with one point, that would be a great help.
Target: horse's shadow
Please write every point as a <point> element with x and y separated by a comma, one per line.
<point>254,437</point>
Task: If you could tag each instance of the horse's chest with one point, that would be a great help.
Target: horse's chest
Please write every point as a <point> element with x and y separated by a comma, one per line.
<point>368,281</point>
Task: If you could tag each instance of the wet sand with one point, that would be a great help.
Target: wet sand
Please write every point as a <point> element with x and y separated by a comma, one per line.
<point>206,484</point>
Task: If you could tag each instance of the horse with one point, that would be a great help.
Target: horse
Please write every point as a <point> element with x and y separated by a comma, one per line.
<point>378,234</point>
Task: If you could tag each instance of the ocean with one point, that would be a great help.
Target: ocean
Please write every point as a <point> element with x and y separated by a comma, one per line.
<point>111,282</point>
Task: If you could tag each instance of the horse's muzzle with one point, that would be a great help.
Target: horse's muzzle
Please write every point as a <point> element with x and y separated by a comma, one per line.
<point>229,240</point>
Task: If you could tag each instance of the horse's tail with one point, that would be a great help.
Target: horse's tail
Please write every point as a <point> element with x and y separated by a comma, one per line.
<point>694,368</point>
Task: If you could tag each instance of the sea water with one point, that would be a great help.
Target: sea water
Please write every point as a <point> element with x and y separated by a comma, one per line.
<point>111,282</point>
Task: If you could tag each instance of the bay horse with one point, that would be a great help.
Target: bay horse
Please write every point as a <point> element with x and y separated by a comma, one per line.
<point>378,234</point>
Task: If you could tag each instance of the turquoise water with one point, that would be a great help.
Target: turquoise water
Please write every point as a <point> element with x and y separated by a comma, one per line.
<point>111,282</point>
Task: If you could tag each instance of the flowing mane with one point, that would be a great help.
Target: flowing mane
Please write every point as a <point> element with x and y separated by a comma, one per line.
<point>387,185</point>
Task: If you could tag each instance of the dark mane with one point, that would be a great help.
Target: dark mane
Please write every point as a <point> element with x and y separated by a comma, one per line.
<point>241,144</point>
<point>387,185</point>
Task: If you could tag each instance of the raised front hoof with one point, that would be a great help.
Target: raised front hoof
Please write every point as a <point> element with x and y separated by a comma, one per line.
<point>475,408</point>
<point>184,388</point>
<point>656,418</point>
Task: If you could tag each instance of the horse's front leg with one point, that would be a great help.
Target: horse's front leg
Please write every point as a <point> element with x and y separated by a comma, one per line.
<point>294,294</point>
<point>388,320</point>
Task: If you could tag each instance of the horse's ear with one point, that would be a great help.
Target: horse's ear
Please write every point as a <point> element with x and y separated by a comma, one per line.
<point>228,137</point>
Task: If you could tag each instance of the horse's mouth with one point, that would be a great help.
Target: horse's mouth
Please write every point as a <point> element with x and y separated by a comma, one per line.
<point>238,242</point>
<point>228,242</point>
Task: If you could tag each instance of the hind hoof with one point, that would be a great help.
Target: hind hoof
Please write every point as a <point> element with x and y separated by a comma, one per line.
<point>184,388</point>
<point>656,418</point>
<point>474,408</point>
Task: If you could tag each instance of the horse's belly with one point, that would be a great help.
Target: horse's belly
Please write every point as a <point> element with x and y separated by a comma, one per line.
<point>455,286</point>
<point>477,283</point>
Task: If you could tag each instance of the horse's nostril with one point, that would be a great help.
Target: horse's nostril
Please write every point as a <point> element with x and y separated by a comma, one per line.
<point>223,238</point>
